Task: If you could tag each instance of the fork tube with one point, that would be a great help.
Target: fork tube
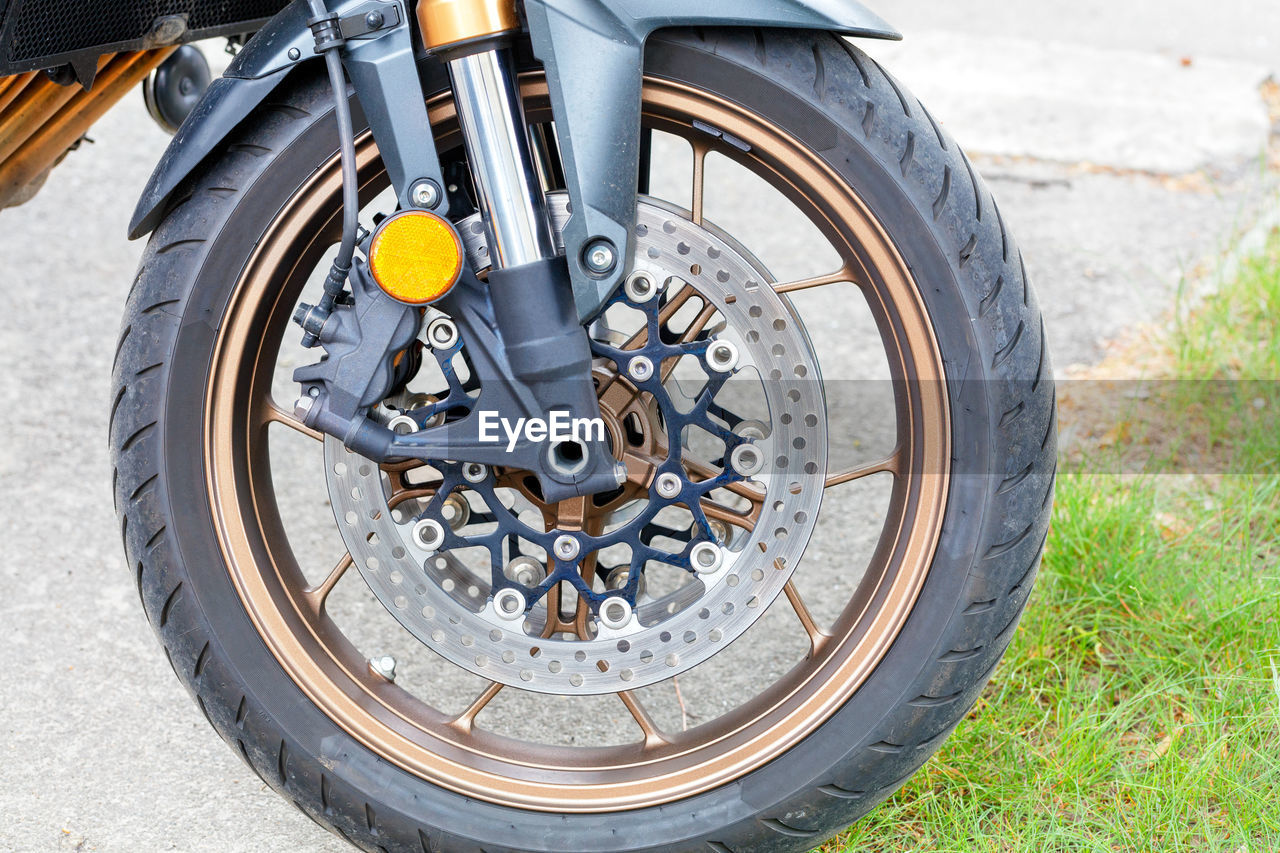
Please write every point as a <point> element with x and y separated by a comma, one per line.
<point>493,126</point>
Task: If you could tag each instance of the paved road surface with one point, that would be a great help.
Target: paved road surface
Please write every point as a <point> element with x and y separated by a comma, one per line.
<point>102,750</point>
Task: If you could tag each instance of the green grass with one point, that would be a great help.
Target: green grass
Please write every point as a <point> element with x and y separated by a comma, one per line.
<point>1139,705</point>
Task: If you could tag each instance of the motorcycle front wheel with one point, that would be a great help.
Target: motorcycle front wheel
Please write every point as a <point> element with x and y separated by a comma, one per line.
<point>903,389</point>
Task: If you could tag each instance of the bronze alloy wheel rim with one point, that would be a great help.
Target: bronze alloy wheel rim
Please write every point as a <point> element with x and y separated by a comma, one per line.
<point>448,750</point>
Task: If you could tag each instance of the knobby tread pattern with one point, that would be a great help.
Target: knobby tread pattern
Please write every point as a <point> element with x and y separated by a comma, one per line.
<point>1007,355</point>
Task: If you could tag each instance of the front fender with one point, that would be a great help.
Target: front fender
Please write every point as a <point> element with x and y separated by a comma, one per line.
<point>383,71</point>
<point>259,69</point>
<point>594,52</point>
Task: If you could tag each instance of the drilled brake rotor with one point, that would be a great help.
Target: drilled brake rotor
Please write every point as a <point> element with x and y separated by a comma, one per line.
<point>636,545</point>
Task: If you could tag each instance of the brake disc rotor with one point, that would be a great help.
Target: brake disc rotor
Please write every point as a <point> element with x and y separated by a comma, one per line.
<point>450,606</point>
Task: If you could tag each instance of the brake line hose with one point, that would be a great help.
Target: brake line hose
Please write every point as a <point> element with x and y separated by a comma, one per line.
<point>327,29</point>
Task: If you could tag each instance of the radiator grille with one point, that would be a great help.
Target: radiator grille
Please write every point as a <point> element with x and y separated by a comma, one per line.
<point>35,29</point>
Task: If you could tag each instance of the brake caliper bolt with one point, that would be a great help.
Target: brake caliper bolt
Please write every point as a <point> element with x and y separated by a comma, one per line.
<point>302,408</point>
<point>566,548</point>
<point>425,194</point>
<point>384,666</point>
<point>429,533</point>
<point>668,485</point>
<point>640,369</point>
<point>600,257</point>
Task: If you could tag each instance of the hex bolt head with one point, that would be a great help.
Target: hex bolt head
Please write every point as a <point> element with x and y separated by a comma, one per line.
<point>384,666</point>
<point>566,548</point>
<point>620,474</point>
<point>668,485</point>
<point>303,407</point>
<point>429,534</point>
<point>600,257</point>
<point>425,194</point>
<point>640,369</point>
<point>474,472</point>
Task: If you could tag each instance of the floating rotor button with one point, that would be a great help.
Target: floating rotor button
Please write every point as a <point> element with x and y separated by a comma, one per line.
<point>416,257</point>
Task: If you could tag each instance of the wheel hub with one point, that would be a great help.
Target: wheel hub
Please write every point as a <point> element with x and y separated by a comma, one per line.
<point>725,479</point>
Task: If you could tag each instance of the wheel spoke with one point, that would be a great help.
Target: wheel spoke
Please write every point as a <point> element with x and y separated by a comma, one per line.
<point>844,274</point>
<point>273,413</point>
<point>316,596</point>
<point>817,637</point>
<point>892,465</point>
<point>652,734</point>
<point>699,181</point>
<point>465,721</point>
<point>424,491</point>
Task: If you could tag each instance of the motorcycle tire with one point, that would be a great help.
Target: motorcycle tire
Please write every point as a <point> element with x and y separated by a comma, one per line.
<point>862,133</point>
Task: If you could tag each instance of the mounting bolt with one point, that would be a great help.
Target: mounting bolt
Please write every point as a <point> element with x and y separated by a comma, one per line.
<point>302,408</point>
<point>295,54</point>
<point>525,571</point>
<point>384,666</point>
<point>620,474</point>
<point>509,604</point>
<point>429,533</point>
<point>615,613</point>
<point>640,287</point>
<point>722,356</point>
<point>566,548</point>
<point>442,334</point>
<point>474,472</point>
<point>402,425</point>
<point>706,558</point>
<point>425,194</point>
<point>600,257</point>
<point>640,369</point>
<point>374,20</point>
<point>747,460</point>
<point>668,485</point>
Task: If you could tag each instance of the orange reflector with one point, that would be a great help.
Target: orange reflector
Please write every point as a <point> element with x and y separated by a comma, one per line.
<point>415,257</point>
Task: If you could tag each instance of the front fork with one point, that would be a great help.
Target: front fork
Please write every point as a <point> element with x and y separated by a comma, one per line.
<point>526,309</point>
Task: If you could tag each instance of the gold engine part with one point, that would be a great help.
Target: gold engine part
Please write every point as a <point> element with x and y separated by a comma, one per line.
<point>40,121</point>
<point>445,23</point>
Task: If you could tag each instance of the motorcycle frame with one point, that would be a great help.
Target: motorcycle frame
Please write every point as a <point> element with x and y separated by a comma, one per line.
<point>593,52</point>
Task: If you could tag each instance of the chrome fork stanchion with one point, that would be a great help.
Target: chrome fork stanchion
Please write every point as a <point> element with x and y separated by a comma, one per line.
<point>493,126</point>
